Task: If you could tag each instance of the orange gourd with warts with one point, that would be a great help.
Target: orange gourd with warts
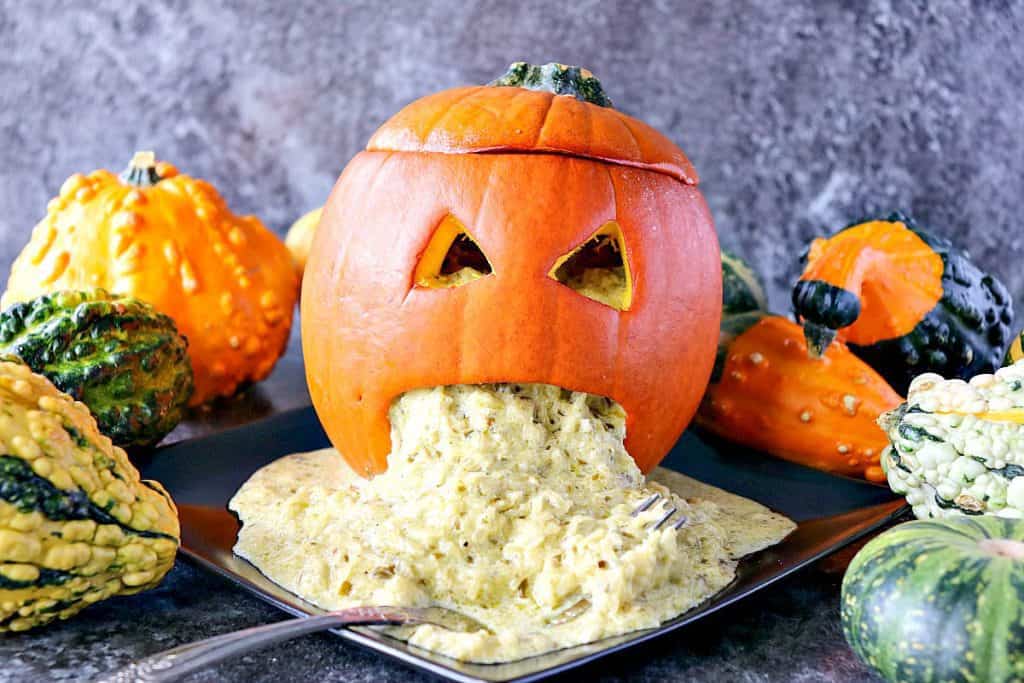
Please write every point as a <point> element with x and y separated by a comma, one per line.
<point>170,240</point>
<point>772,396</point>
<point>509,234</point>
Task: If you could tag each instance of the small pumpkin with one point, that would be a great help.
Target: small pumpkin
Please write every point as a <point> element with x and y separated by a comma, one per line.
<point>170,240</point>
<point>119,356</point>
<point>77,525</point>
<point>300,238</point>
<point>542,237</point>
<point>771,395</point>
<point>939,600</point>
<point>904,300</point>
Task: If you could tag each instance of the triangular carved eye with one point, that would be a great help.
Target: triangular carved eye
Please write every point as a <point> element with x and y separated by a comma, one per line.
<point>451,259</point>
<point>598,268</point>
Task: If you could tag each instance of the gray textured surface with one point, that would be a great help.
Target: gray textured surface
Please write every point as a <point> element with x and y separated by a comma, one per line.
<point>799,115</point>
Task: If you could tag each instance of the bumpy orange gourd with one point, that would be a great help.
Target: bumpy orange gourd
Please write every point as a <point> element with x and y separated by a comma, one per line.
<point>519,180</point>
<point>772,396</point>
<point>170,240</point>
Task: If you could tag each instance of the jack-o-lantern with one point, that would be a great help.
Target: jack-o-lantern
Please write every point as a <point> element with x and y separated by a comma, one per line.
<point>519,232</point>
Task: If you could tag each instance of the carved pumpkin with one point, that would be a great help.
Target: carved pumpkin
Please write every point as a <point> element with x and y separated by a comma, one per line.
<point>170,240</point>
<point>503,234</point>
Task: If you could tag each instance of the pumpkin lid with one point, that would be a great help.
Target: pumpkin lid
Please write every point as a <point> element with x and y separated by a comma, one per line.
<point>551,108</point>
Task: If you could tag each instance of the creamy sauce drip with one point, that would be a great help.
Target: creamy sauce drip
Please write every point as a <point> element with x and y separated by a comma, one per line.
<point>509,503</point>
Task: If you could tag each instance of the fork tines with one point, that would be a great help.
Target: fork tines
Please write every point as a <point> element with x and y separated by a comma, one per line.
<point>670,510</point>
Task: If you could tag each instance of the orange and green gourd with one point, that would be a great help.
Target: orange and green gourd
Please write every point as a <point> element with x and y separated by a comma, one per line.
<point>77,524</point>
<point>904,300</point>
<point>170,240</point>
<point>768,393</point>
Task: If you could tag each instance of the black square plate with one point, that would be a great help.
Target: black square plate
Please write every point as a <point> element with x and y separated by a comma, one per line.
<point>831,512</point>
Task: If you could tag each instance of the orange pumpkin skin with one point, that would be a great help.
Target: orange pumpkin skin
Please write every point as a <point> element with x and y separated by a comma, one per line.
<point>819,412</point>
<point>227,282</point>
<point>369,334</point>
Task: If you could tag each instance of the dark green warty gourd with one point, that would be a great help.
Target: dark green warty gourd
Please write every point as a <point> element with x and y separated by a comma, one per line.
<point>117,355</point>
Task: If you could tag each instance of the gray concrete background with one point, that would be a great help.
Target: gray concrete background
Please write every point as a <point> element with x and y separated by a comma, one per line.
<point>799,114</point>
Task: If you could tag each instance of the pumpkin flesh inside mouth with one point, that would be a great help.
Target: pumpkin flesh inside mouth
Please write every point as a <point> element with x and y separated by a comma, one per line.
<point>510,503</point>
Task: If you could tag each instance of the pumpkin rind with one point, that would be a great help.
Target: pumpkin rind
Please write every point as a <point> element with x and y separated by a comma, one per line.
<point>228,283</point>
<point>771,395</point>
<point>76,523</point>
<point>118,355</point>
<point>958,447</point>
<point>939,600</point>
<point>956,324</point>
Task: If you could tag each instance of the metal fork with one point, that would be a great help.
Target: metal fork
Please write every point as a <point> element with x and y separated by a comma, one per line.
<point>170,665</point>
<point>669,511</point>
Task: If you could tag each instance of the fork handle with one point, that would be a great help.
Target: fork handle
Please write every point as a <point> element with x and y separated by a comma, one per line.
<point>170,665</point>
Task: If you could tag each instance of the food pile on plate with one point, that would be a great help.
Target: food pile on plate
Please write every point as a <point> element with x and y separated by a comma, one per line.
<point>513,304</point>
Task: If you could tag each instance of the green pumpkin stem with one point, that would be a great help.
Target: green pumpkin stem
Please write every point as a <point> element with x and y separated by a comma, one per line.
<point>141,171</point>
<point>559,79</point>
<point>818,338</point>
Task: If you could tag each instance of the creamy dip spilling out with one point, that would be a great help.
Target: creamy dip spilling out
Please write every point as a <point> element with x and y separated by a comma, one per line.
<point>508,503</point>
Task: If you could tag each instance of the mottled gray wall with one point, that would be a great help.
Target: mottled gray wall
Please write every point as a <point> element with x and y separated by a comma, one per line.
<point>799,115</point>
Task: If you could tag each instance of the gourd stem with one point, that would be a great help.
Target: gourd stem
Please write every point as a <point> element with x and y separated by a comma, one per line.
<point>141,171</point>
<point>818,338</point>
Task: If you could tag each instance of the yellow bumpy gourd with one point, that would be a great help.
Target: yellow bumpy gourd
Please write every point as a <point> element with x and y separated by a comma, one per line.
<point>77,525</point>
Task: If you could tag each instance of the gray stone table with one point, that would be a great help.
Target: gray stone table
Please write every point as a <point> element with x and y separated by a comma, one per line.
<point>788,632</point>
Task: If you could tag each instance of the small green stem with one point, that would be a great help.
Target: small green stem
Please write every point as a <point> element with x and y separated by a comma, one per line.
<point>141,171</point>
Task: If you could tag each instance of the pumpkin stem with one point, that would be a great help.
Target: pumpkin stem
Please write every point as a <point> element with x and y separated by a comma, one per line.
<point>141,171</point>
<point>559,79</point>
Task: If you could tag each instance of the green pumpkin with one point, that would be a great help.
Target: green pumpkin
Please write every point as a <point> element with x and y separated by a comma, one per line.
<point>743,304</point>
<point>966,332</point>
<point>742,289</point>
<point>119,356</point>
<point>939,600</point>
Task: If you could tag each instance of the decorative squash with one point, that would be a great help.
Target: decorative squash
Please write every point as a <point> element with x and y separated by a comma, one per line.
<point>76,523</point>
<point>170,240</point>
<point>821,412</point>
<point>939,600</point>
<point>118,355</point>
<point>742,289</point>
<point>1016,351</point>
<point>958,447</point>
<point>905,301</point>
<point>480,273</point>
<point>300,238</point>
<point>744,303</point>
